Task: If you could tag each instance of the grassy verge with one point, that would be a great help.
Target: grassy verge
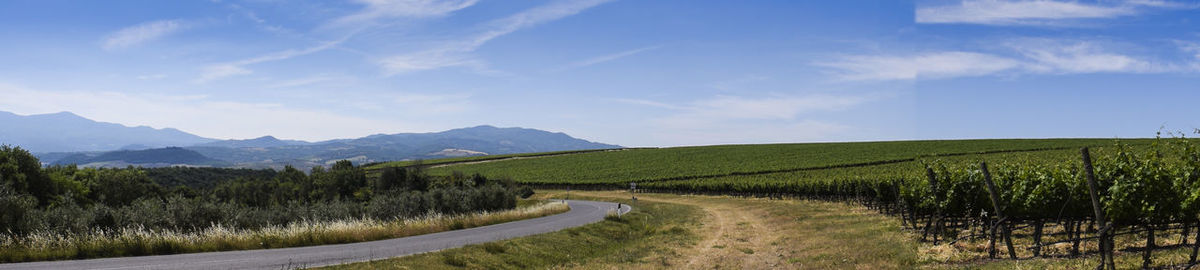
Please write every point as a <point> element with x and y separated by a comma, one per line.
<point>755,233</point>
<point>692,232</point>
<point>649,236</point>
<point>138,241</point>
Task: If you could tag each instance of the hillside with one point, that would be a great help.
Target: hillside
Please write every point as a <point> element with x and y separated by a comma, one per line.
<point>264,141</point>
<point>159,157</point>
<point>67,132</point>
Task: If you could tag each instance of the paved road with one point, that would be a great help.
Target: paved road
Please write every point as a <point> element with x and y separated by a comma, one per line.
<point>581,213</point>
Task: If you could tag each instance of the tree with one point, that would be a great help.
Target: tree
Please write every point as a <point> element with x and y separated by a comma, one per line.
<point>119,187</point>
<point>22,172</point>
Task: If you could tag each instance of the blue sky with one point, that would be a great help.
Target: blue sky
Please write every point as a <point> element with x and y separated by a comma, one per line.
<point>635,73</point>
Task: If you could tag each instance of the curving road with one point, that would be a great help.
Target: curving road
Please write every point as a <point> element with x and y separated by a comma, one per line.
<point>581,213</point>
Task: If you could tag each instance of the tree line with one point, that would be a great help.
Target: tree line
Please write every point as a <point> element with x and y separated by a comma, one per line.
<point>68,199</point>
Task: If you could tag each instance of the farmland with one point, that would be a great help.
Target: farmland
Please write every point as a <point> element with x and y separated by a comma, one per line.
<point>1146,189</point>
<point>660,164</point>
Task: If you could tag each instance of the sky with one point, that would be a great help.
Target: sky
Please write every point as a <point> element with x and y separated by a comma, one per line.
<point>627,72</point>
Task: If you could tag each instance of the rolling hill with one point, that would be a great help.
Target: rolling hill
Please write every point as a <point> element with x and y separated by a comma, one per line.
<point>67,132</point>
<point>159,157</point>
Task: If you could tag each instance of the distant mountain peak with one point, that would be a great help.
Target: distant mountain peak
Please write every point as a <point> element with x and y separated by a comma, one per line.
<point>65,115</point>
<point>260,142</point>
<point>69,132</point>
<point>267,138</point>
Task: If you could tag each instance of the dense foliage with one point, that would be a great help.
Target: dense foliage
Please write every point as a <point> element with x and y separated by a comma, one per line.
<point>202,177</point>
<point>71,200</point>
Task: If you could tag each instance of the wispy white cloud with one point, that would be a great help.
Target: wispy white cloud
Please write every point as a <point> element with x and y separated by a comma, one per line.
<point>199,114</point>
<point>151,76</point>
<point>738,119</point>
<point>1192,47</point>
<point>775,107</point>
<point>455,53</point>
<point>141,33</point>
<point>650,103</point>
<point>726,107</point>
<point>427,60</point>
<point>1048,56</point>
<point>609,57</point>
<point>235,68</point>
<point>306,81</point>
<point>374,10</point>
<point>261,23</point>
<point>1025,56</point>
<point>926,65</point>
<point>1163,4</point>
<point>739,82</point>
<point>1034,12</point>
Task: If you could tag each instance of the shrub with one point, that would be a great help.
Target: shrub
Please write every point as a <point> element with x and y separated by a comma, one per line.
<point>525,192</point>
<point>14,210</point>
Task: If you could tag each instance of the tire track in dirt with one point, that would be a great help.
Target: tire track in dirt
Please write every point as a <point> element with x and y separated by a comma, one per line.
<point>736,233</point>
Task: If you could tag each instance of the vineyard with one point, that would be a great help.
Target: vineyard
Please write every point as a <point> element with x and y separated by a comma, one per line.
<point>1002,198</point>
<point>684,163</point>
<point>1134,194</point>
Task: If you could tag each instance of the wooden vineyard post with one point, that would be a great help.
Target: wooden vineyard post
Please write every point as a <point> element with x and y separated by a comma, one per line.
<point>933,187</point>
<point>1000,219</point>
<point>1195,245</point>
<point>1106,251</point>
<point>991,189</point>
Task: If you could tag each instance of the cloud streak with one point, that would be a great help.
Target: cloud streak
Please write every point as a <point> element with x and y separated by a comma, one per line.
<point>235,68</point>
<point>1035,12</point>
<point>141,33</point>
<point>926,65</point>
<point>375,10</point>
<point>455,53</point>
<point>608,58</point>
<point>737,119</point>
<point>1025,56</point>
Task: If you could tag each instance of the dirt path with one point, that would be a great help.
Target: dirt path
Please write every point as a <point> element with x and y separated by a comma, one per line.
<point>737,233</point>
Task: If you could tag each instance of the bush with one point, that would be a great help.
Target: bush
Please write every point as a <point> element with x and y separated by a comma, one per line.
<point>14,210</point>
<point>525,192</point>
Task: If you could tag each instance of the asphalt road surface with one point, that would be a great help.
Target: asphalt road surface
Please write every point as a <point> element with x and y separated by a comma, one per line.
<point>581,213</point>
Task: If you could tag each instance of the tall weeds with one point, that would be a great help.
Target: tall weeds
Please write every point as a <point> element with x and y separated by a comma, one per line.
<point>136,241</point>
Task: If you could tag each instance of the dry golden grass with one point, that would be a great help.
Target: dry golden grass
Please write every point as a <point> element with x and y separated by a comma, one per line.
<point>755,233</point>
<point>140,241</point>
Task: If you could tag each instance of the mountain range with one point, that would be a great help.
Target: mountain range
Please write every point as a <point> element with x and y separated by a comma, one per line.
<point>66,138</point>
<point>67,132</point>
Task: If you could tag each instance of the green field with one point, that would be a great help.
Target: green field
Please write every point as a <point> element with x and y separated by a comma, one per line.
<point>682,163</point>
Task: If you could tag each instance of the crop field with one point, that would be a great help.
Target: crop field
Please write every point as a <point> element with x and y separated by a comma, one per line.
<point>664,164</point>
<point>1144,187</point>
